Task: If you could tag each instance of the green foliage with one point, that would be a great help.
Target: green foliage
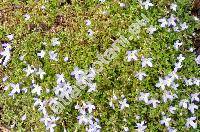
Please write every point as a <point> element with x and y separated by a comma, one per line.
<point>117,76</point>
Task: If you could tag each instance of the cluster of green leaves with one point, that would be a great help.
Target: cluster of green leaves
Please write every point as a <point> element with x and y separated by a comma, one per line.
<point>118,76</point>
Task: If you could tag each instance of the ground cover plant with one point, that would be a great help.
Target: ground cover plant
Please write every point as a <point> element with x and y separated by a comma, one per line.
<point>99,65</point>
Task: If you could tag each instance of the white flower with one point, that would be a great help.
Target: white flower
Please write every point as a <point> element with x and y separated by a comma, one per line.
<point>165,121</point>
<point>190,122</point>
<point>92,87</point>
<point>163,22</point>
<point>172,21</point>
<point>177,66</point>
<point>151,29</point>
<point>188,82</point>
<point>147,4</point>
<point>161,84</point>
<point>23,117</point>
<point>50,122</point>
<point>36,89</point>
<point>44,43</point>
<point>37,102</point>
<point>173,6</point>
<point>24,90</point>
<point>10,36</point>
<point>146,62</point>
<point>111,105</point>
<point>174,75</point>
<point>90,32</point>
<point>53,55</point>
<point>4,79</point>
<point>196,81</point>
<point>140,75</point>
<point>183,26</point>
<point>90,107</point>
<point>115,97</point>
<point>192,107</point>
<point>66,59</point>
<point>6,55</point>
<point>177,44</point>
<point>168,81</point>
<point>144,97</point>
<point>198,59</point>
<point>122,5</point>
<point>154,102</point>
<point>180,58</point>
<point>41,73</point>
<point>194,97</point>
<point>27,17</point>
<point>21,58</point>
<point>141,127</point>
<point>184,103</point>
<point>172,109</point>
<point>55,41</point>
<point>6,88</point>
<point>126,129</point>
<point>15,89</point>
<point>91,74</point>
<point>137,117</point>
<point>191,49</point>
<point>83,119</point>
<point>123,104</point>
<point>77,73</point>
<point>41,54</point>
<point>170,129</point>
<point>132,55</point>
<point>174,86</point>
<point>29,70</point>
<point>43,7</point>
<point>88,22</point>
<point>168,95</point>
<point>63,90</point>
<point>176,29</point>
<point>60,78</point>
<point>102,1</point>
<point>93,127</point>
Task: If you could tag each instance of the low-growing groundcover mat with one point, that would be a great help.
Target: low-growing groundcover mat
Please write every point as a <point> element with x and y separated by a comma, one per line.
<point>99,65</point>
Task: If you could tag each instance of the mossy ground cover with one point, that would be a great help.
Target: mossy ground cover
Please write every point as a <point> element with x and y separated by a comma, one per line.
<point>152,84</point>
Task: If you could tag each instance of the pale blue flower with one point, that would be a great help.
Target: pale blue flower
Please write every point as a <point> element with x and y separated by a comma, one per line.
<point>53,55</point>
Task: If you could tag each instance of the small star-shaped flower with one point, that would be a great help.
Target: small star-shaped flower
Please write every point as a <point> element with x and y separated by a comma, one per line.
<point>27,17</point>
<point>140,75</point>
<point>184,26</point>
<point>163,22</point>
<point>10,37</point>
<point>195,97</point>
<point>132,55</point>
<point>41,54</point>
<point>173,6</point>
<point>36,89</point>
<point>146,62</point>
<point>29,70</point>
<point>53,55</point>
<point>55,41</point>
<point>123,104</point>
<point>151,29</point>
<point>165,121</point>
<point>41,73</point>
<point>190,122</point>
<point>147,4</point>
<point>88,22</point>
<point>15,89</point>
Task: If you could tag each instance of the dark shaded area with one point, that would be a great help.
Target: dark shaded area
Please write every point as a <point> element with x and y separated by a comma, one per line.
<point>196,38</point>
<point>64,2</point>
<point>196,8</point>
